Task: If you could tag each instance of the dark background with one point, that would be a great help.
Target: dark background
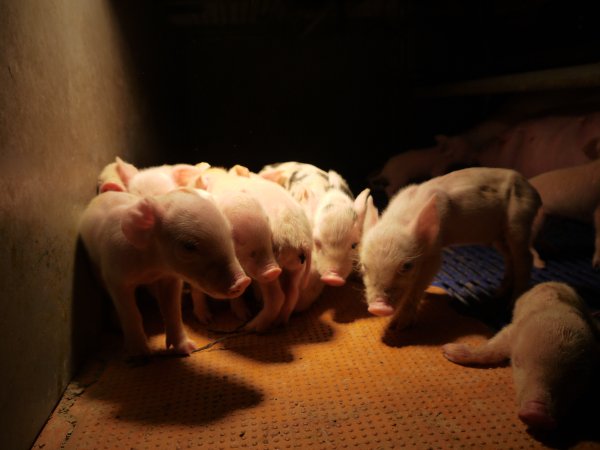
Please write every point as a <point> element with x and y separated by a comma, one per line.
<point>334,83</point>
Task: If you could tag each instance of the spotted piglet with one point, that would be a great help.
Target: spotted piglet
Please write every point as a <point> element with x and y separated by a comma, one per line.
<point>402,252</point>
<point>336,217</point>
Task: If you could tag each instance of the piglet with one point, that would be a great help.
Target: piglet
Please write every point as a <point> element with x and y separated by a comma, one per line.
<point>336,217</point>
<point>252,237</point>
<point>159,241</point>
<point>155,180</point>
<point>402,252</point>
<point>417,165</point>
<point>553,344</point>
<point>573,193</point>
<point>291,240</point>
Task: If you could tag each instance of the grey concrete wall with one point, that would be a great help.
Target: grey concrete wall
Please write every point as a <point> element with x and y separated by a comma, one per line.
<point>69,102</point>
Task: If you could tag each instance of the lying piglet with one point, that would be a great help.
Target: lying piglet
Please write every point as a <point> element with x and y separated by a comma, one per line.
<point>417,165</point>
<point>553,345</point>
<point>292,241</point>
<point>401,253</point>
<point>160,241</point>
<point>573,193</point>
<point>154,180</point>
<point>336,217</point>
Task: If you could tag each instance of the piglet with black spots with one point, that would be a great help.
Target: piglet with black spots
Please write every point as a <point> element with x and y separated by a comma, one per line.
<point>402,252</point>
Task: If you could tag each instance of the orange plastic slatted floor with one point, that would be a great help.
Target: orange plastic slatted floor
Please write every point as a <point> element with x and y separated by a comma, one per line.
<point>331,379</point>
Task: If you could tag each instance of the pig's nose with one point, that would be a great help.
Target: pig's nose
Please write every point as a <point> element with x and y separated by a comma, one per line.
<point>332,279</point>
<point>240,286</point>
<point>270,274</point>
<point>380,307</point>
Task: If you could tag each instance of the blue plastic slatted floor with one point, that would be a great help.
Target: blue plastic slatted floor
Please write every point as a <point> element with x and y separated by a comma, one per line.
<point>471,273</point>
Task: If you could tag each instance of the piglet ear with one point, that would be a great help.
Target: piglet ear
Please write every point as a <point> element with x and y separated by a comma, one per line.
<point>272,174</point>
<point>139,222</point>
<point>427,227</point>
<point>240,171</point>
<point>371,215</point>
<point>185,174</point>
<point>125,171</point>
<point>360,206</point>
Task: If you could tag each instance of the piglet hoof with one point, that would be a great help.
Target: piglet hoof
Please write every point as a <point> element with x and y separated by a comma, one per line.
<point>185,347</point>
<point>457,353</point>
<point>535,414</point>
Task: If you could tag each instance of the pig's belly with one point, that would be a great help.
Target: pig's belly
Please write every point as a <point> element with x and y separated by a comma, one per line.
<point>474,229</point>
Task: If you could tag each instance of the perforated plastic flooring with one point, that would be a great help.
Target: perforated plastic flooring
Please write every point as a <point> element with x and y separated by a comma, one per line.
<point>333,378</point>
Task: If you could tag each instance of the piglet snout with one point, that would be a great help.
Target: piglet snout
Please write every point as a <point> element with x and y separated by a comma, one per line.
<point>380,307</point>
<point>536,415</point>
<point>332,279</point>
<point>239,286</point>
<point>271,274</point>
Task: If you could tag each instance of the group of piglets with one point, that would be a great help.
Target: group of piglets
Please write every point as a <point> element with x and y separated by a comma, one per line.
<point>542,166</point>
<point>287,231</point>
<point>559,153</point>
<point>292,228</point>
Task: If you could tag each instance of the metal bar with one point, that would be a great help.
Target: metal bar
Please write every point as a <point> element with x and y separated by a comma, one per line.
<point>587,75</point>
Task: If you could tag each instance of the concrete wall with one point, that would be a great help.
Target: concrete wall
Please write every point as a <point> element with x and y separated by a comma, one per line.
<point>69,102</point>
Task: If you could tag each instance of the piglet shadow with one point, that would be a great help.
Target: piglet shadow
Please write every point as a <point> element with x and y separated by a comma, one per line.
<point>347,302</point>
<point>437,323</point>
<point>169,391</point>
<point>272,346</point>
<point>338,304</point>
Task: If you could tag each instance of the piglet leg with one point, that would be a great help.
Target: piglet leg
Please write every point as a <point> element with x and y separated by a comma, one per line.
<point>406,311</point>
<point>494,351</point>
<point>291,287</point>
<point>538,222</point>
<point>168,291</point>
<point>273,298</point>
<point>596,258</point>
<point>200,306</point>
<point>135,340</point>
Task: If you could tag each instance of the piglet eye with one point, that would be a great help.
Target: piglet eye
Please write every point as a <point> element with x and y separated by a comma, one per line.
<point>354,245</point>
<point>406,267</point>
<point>189,246</point>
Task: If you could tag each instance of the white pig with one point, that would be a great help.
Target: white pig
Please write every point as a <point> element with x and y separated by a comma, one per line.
<point>252,237</point>
<point>155,180</point>
<point>574,193</point>
<point>401,253</point>
<point>553,345</point>
<point>292,241</point>
<point>160,241</point>
<point>336,217</point>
